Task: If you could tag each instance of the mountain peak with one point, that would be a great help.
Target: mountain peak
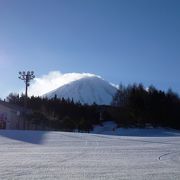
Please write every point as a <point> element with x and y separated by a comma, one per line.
<point>87,90</point>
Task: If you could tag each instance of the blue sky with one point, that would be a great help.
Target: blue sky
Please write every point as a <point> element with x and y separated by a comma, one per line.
<point>121,40</point>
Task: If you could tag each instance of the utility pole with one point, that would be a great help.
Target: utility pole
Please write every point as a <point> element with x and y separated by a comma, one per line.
<point>26,77</point>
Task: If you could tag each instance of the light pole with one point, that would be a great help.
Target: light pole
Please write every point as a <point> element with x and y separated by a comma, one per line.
<point>26,77</point>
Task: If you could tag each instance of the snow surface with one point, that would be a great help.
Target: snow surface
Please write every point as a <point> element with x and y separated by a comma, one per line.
<point>110,128</point>
<point>63,155</point>
<point>87,90</point>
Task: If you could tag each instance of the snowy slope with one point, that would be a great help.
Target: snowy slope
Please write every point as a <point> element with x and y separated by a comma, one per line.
<point>110,128</point>
<point>86,90</point>
<point>60,155</point>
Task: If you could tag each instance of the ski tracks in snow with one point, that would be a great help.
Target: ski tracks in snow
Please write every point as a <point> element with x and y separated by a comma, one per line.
<point>89,156</point>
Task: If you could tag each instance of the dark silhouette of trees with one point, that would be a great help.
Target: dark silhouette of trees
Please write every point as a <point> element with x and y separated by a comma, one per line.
<point>137,106</point>
<point>132,106</point>
<point>58,114</point>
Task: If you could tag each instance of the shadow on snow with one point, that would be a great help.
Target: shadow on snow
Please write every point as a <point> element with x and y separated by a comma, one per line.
<point>33,137</point>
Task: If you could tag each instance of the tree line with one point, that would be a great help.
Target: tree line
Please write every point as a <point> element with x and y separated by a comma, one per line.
<point>136,106</point>
<point>132,106</point>
<point>58,114</point>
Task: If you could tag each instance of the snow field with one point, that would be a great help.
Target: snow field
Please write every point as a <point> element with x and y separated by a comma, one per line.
<point>62,155</point>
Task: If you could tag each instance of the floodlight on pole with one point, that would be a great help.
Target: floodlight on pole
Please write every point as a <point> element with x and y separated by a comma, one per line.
<point>26,77</point>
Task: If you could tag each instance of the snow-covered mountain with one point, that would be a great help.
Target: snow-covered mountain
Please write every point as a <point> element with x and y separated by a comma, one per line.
<point>87,90</point>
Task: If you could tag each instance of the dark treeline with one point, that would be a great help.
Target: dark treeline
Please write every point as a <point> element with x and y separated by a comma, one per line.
<point>58,114</point>
<point>132,106</point>
<point>135,106</point>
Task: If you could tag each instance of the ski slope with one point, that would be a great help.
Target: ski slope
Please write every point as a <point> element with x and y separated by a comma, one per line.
<point>63,155</point>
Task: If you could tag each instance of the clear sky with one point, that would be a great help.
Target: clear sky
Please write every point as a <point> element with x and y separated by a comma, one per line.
<point>121,40</point>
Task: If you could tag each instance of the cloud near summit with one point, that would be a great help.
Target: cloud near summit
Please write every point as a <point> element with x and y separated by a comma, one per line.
<point>53,80</point>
